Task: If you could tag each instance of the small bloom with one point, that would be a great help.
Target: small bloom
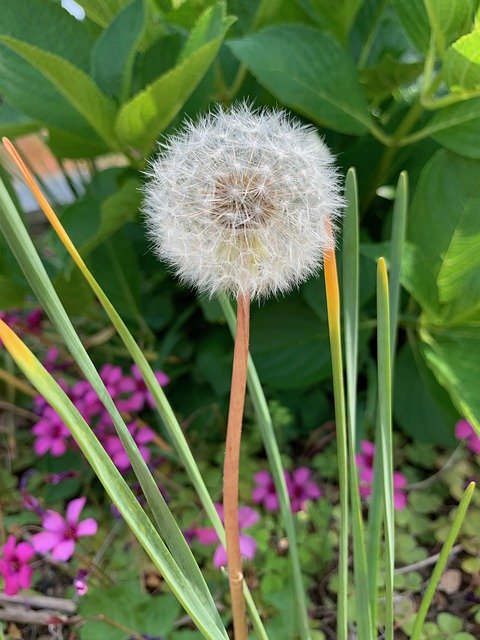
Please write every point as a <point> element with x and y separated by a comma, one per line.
<point>247,517</point>
<point>264,491</point>
<point>301,488</point>
<point>15,565</point>
<point>142,435</point>
<point>465,431</point>
<point>365,463</point>
<point>141,391</point>
<point>243,202</point>
<point>61,534</point>
<point>51,434</point>
<point>80,582</point>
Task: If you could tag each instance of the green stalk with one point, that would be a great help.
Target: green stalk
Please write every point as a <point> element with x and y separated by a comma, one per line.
<point>399,224</point>
<point>385,420</point>
<point>442,562</point>
<point>267,432</point>
<point>334,328</point>
<point>350,319</point>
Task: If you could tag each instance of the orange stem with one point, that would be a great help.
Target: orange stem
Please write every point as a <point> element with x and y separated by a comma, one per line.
<point>232,465</point>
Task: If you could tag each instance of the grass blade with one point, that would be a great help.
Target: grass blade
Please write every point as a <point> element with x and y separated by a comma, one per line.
<point>399,225</point>
<point>114,484</point>
<point>442,562</point>
<point>334,328</point>
<point>25,252</point>
<point>350,316</point>
<point>385,421</point>
<point>28,259</point>
<point>267,431</point>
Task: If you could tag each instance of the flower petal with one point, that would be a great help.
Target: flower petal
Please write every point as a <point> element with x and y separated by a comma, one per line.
<point>9,548</point>
<point>247,517</point>
<point>45,541</point>
<point>25,551</point>
<point>87,527</point>
<point>206,535</point>
<point>63,550</point>
<point>248,546</point>
<point>301,475</point>
<point>54,522</point>
<point>74,510</point>
<point>24,576</point>
<point>262,477</point>
<point>220,557</point>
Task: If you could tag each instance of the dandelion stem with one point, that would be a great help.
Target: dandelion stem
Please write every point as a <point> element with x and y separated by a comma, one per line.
<point>231,466</point>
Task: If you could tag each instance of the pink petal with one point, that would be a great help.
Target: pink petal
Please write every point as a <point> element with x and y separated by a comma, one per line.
<point>45,541</point>
<point>474,444</point>
<point>25,551</point>
<point>11,584</point>
<point>399,500</point>
<point>74,510</point>
<point>87,527</point>
<point>262,478</point>
<point>271,502</point>
<point>144,435</point>
<point>219,508</point>
<point>312,491</point>
<point>206,535</point>
<point>301,475</point>
<point>9,548</point>
<point>162,378</point>
<point>58,447</point>
<point>41,428</point>
<point>41,446</point>
<point>220,557</point>
<point>258,494</point>
<point>399,480</point>
<point>25,576</point>
<point>368,448</point>
<point>121,460</point>
<point>366,475</point>
<point>463,429</point>
<point>63,550</point>
<point>247,517</point>
<point>248,547</point>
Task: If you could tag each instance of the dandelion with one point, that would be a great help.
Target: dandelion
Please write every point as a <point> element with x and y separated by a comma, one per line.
<point>242,203</point>
<point>60,533</point>
<point>15,565</point>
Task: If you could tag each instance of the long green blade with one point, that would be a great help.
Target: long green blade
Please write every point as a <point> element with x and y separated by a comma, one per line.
<point>267,431</point>
<point>385,420</point>
<point>350,282</point>
<point>399,225</point>
<point>114,484</point>
<point>27,256</point>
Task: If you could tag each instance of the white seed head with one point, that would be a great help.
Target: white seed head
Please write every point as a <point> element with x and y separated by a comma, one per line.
<point>243,202</point>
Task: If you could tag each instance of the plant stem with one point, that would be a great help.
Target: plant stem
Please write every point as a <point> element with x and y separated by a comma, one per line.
<point>232,465</point>
<point>333,309</point>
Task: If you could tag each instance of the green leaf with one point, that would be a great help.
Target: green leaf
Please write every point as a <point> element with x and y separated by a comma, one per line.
<point>289,345</point>
<point>102,12</point>
<point>114,52</point>
<point>452,355</point>
<point>11,295</point>
<point>414,19</point>
<point>461,67</point>
<point>387,75</point>
<point>457,127</point>
<point>13,123</point>
<point>148,113</point>
<point>308,71</point>
<point>444,231</point>
<point>336,17</point>
<point>73,83</point>
<point>128,606</point>
<point>421,407</point>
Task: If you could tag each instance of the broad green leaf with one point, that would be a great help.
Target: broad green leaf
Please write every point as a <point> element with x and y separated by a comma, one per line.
<point>446,19</point>
<point>452,355</point>
<point>289,345</point>
<point>461,67</point>
<point>45,25</point>
<point>66,144</point>
<point>387,75</point>
<point>335,17</point>
<point>130,607</point>
<point>13,123</point>
<point>185,591</point>
<point>444,232</point>
<point>73,83</point>
<point>457,127</point>
<point>308,71</point>
<point>114,52</point>
<point>102,12</point>
<point>420,405</point>
<point>141,120</point>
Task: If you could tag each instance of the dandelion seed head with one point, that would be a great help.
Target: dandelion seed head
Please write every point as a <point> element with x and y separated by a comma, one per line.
<point>243,202</point>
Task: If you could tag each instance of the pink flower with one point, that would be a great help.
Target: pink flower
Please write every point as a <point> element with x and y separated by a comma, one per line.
<point>301,488</point>
<point>465,431</point>
<point>61,533</point>
<point>80,582</point>
<point>365,462</point>
<point>34,319</point>
<point>51,434</point>
<point>142,435</point>
<point>141,388</point>
<point>15,567</point>
<point>264,491</point>
<point>247,517</point>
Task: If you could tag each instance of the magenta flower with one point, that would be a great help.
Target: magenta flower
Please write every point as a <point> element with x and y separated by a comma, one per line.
<point>51,434</point>
<point>61,534</point>
<point>34,319</point>
<point>365,462</point>
<point>247,517</point>
<point>465,431</point>
<point>142,435</point>
<point>141,390</point>
<point>301,488</point>
<point>264,492</point>
<point>15,565</point>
